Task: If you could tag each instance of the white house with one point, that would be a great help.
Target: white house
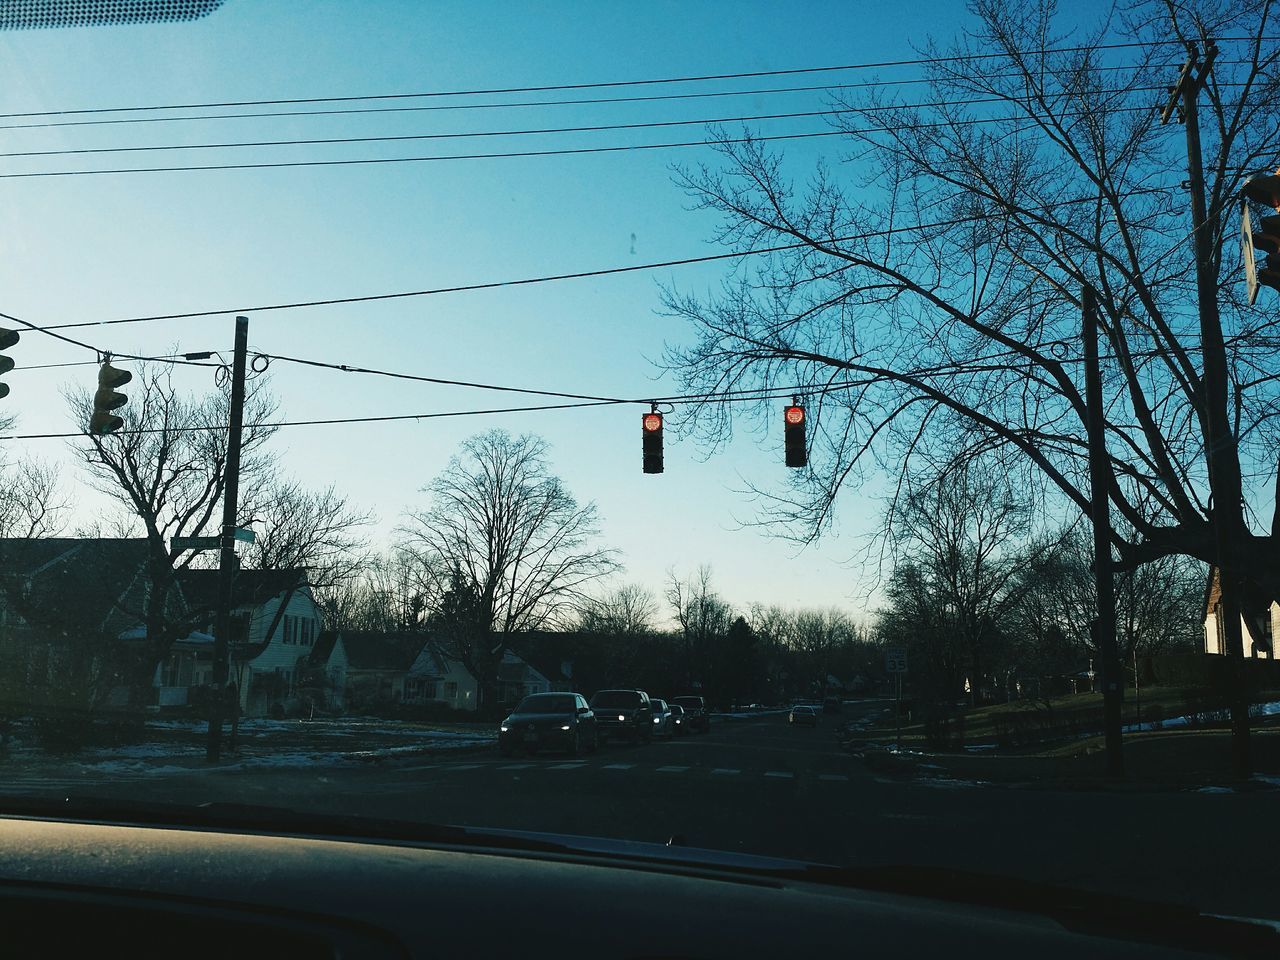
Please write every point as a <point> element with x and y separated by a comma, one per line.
<point>436,678</point>
<point>1259,624</point>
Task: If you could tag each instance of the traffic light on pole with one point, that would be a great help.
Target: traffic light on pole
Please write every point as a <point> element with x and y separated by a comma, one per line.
<point>797,448</point>
<point>651,430</point>
<point>1264,190</point>
<point>7,339</point>
<point>105,400</point>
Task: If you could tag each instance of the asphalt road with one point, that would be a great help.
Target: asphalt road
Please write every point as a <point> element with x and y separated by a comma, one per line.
<point>761,786</point>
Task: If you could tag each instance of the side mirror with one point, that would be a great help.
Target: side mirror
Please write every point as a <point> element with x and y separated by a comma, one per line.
<point>583,711</point>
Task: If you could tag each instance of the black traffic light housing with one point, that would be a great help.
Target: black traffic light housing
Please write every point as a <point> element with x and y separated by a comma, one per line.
<point>793,419</point>
<point>106,399</point>
<point>7,339</point>
<point>1264,190</point>
<point>651,431</point>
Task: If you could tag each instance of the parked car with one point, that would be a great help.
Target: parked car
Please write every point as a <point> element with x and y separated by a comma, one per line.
<point>623,713</point>
<point>679,720</point>
<point>549,721</point>
<point>663,724</point>
<point>803,715</point>
<point>695,710</point>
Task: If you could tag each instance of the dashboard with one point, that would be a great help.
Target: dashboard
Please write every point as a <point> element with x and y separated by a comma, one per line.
<point>114,889</point>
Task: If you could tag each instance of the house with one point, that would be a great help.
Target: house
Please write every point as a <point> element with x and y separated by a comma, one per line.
<point>378,665</point>
<point>275,622</point>
<point>324,680</point>
<point>435,678</point>
<point>1259,619</point>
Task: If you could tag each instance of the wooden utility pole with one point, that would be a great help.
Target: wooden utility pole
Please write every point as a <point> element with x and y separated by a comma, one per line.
<point>1221,449</point>
<point>228,561</point>
<point>1104,625</point>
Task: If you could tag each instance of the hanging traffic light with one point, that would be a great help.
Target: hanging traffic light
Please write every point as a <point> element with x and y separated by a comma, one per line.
<point>7,339</point>
<point>1264,190</point>
<point>106,399</point>
<point>797,450</point>
<point>651,430</point>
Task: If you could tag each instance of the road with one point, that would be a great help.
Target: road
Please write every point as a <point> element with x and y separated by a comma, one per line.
<point>761,786</point>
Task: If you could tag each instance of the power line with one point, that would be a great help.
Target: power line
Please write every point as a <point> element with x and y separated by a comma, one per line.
<point>546,88</point>
<point>542,131</point>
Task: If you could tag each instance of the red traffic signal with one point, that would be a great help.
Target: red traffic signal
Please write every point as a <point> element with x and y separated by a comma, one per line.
<point>105,399</point>
<point>651,429</point>
<point>796,445</point>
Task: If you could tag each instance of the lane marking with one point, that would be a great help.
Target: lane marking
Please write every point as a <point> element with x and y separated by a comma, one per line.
<point>782,774</point>
<point>672,769</point>
<point>617,766</point>
<point>834,777</point>
<point>566,766</point>
<point>728,771</point>
<point>516,766</point>
<point>467,766</point>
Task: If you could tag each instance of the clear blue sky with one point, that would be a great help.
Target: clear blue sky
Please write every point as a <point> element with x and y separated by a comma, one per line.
<point>93,248</point>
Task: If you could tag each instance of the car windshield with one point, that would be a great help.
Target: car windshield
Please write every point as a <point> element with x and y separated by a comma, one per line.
<point>546,704</point>
<point>615,698</point>
<point>324,332</point>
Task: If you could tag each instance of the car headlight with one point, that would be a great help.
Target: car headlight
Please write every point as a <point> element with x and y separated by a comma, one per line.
<point>504,728</point>
<point>622,718</point>
<point>657,719</point>
<point>565,726</point>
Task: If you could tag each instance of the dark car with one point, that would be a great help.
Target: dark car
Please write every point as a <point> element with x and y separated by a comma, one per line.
<point>549,721</point>
<point>695,713</point>
<point>679,722</point>
<point>623,713</point>
<point>803,715</point>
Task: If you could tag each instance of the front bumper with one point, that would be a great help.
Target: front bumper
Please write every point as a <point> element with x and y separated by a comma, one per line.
<point>518,738</point>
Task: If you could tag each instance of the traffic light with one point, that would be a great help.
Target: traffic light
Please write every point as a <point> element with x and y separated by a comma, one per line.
<point>7,339</point>
<point>1264,190</point>
<point>797,449</point>
<point>651,430</point>
<point>106,399</point>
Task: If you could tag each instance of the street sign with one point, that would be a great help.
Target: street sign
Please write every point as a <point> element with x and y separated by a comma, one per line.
<point>195,543</point>
<point>243,535</point>
<point>895,660</point>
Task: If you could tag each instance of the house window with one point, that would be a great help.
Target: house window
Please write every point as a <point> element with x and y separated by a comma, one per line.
<point>308,632</point>
<point>450,690</point>
<point>429,690</point>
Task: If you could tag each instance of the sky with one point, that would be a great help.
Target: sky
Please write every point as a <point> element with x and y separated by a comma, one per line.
<point>94,248</point>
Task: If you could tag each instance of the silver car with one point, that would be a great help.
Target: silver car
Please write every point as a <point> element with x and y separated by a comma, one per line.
<point>663,722</point>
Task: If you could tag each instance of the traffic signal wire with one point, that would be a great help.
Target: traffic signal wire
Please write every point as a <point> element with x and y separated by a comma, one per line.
<point>596,85</point>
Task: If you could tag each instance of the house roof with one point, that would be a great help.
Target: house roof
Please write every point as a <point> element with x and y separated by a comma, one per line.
<point>250,588</point>
<point>372,650</point>
<point>545,651</point>
<point>323,649</point>
<point>72,584</point>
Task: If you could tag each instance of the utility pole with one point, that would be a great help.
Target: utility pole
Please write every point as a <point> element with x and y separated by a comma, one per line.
<point>1104,625</point>
<point>1221,450</point>
<point>228,561</point>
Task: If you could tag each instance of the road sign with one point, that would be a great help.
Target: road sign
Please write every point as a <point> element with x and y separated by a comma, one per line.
<point>243,535</point>
<point>195,543</point>
<point>895,660</point>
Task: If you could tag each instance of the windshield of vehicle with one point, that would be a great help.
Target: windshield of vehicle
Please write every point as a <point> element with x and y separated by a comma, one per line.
<point>326,330</point>
<point>676,710</point>
<point>658,706</point>
<point>616,698</point>
<point>546,704</point>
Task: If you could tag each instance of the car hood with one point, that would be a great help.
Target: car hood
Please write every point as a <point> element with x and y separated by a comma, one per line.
<point>539,718</point>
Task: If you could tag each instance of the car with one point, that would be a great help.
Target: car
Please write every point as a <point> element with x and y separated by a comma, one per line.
<point>695,710</point>
<point>663,724</point>
<point>549,721</point>
<point>803,715</point>
<point>679,722</point>
<point>625,713</point>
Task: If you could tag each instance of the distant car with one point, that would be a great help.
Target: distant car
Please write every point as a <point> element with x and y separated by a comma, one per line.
<point>663,724</point>
<point>803,715</point>
<point>623,713</point>
<point>695,712</point>
<point>549,721</point>
<point>679,722</point>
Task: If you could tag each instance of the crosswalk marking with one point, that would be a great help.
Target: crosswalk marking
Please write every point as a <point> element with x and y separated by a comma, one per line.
<point>617,766</point>
<point>467,766</point>
<point>566,766</point>
<point>838,777</point>
<point>782,774</point>
<point>516,766</point>
<point>672,769</point>
<point>727,771</point>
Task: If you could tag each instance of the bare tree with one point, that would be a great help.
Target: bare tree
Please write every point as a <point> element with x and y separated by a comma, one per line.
<point>166,469</point>
<point>393,593</point>
<point>315,529</point>
<point>502,526</point>
<point>31,504</point>
<point>950,284</point>
<point>626,611</point>
<point>703,618</point>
